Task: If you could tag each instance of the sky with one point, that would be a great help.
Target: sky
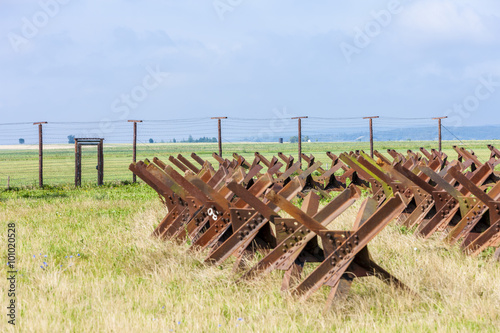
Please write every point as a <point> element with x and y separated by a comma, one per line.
<point>72,61</point>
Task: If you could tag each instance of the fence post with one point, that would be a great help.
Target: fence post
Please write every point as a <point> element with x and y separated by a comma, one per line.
<point>100,163</point>
<point>134,146</point>
<point>220,133</point>
<point>78,164</point>
<point>439,129</point>
<point>40,152</point>
<point>371,133</point>
<point>300,135</point>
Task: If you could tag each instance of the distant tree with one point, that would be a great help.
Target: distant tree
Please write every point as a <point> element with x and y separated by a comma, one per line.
<point>151,141</point>
<point>295,139</point>
<point>174,141</point>
<point>21,141</point>
<point>71,139</point>
<point>202,139</point>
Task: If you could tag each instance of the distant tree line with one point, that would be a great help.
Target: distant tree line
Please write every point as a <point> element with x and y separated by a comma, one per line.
<point>190,139</point>
<point>202,139</point>
<point>295,139</point>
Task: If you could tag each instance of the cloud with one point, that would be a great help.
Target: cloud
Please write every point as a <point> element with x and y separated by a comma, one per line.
<point>264,54</point>
<point>475,70</point>
<point>435,21</point>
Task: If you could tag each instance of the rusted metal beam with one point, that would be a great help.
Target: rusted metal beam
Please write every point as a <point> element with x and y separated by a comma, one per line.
<point>420,189</point>
<point>494,157</point>
<point>249,229</point>
<point>335,264</point>
<point>296,236</point>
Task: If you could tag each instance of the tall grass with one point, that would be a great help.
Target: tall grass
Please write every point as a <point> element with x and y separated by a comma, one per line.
<point>104,273</point>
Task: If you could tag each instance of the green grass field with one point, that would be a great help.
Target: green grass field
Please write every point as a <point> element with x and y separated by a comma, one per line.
<point>59,164</point>
<point>86,263</point>
<point>103,273</point>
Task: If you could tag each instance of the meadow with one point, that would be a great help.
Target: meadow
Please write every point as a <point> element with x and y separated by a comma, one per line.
<point>20,163</point>
<point>86,263</point>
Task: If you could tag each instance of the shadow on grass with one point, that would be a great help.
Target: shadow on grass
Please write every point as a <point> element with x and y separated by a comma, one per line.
<point>121,189</point>
<point>31,194</point>
<point>40,194</point>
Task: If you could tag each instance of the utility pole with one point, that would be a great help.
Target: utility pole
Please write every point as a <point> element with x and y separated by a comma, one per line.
<point>371,133</point>
<point>40,152</point>
<point>220,135</point>
<point>439,125</point>
<point>134,145</point>
<point>300,136</point>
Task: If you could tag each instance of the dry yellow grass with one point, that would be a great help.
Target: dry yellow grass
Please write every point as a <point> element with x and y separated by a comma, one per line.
<point>125,281</point>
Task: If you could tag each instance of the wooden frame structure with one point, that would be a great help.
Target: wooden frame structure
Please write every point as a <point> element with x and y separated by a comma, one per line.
<point>79,142</point>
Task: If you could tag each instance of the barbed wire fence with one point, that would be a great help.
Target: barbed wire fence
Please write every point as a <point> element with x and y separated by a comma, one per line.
<point>19,150</point>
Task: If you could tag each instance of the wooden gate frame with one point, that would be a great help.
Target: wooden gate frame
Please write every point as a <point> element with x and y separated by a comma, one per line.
<point>79,142</point>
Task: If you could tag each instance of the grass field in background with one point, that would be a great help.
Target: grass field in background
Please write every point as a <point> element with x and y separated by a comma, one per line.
<point>59,163</point>
<point>87,264</point>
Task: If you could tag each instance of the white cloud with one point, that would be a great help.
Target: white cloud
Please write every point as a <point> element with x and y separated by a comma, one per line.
<point>430,69</point>
<point>266,53</point>
<point>445,20</point>
<point>476,70</point>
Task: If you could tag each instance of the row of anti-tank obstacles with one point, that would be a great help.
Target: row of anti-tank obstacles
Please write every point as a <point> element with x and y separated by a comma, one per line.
<point>234,209</point>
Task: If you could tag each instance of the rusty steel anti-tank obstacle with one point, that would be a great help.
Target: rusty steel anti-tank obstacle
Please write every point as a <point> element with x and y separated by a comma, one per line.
<point>263,214</point>
<point>236,208</point>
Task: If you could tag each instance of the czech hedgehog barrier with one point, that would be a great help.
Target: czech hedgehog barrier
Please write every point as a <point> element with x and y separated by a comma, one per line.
<point>237,208</point>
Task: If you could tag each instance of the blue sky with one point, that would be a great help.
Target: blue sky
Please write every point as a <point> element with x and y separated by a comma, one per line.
<point>92,60</point>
